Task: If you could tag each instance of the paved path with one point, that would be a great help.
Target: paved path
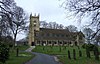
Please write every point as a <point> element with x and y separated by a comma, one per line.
<point>30,49</point>
<point>42,59</point>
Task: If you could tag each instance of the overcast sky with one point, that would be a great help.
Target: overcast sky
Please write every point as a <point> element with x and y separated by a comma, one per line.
<point>49,10</point>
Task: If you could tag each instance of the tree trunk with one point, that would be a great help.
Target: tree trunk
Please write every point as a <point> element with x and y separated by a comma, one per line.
<point>14,39</point>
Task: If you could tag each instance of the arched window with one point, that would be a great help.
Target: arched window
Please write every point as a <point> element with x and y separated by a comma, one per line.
<point>34,21</point>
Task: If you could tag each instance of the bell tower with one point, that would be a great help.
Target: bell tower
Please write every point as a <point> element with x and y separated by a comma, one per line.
<point>33,27</point>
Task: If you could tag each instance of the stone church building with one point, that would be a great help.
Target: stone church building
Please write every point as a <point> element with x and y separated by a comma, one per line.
<point>47,36</point>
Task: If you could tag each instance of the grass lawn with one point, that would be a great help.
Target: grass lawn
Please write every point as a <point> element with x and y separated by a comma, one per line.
<point>22,58</point>
<point>62,54</point>
<point>22,48</point>
<point>83,60</point>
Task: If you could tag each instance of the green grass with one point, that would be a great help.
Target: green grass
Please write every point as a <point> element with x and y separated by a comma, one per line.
<point>82,60</point>
<point>22,58</point>
<point>55,50</point>
<point>63,54</point>
<point>22,48</point>
<point>99,48</point>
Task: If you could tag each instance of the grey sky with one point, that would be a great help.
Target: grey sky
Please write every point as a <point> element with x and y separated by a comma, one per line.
<point>49,10</point>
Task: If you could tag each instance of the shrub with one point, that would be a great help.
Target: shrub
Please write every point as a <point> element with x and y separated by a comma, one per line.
<point>10,45</point>
<point>4,53</point>
<point>88,52</point>
<point>88,46</point>
<point>84,45</point>
<point>96,52</point>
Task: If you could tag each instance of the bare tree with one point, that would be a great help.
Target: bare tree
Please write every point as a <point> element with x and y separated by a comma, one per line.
<point>18,22</point>
<point>43,24</point>
<point>5,16</point>
<point>88,34</point>
<point>97,38</point>
<point>13,17</point>
<point>85,8</point>
<point>71,28</point>
<point>51,25</point>
<point>60,26</point>
<point>4,30</point>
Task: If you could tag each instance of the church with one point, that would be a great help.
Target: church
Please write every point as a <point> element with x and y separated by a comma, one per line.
<point>47,36</point>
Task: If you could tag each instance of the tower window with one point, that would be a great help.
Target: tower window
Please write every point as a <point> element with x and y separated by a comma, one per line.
<point>34,25</point>
<point>35,21</point>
